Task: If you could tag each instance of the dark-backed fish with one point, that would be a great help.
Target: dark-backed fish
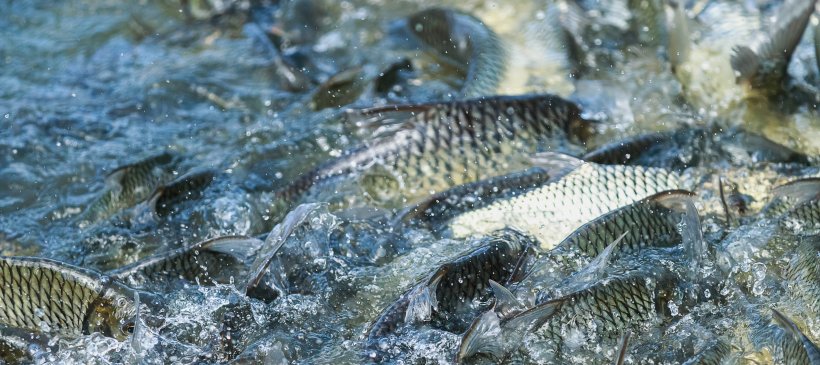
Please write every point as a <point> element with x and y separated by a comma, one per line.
<point>764,67</point>
<point>796,201</point>
<point>794,347</point>
<point>128,185</point>
<point>217,260</point>
<point>167,198</point>
<point>464,42</point>
<point>451,143</point>
<point>46,296</point>
<point>580,193</point>
<point>454,287</point>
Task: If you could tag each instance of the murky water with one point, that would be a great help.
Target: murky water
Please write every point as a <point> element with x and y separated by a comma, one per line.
<point>89,86</point>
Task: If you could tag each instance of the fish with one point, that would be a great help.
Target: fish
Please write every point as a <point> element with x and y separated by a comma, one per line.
<point>340,89</point>
<point>803,274</point>
<point>209,262</point>
<point>453,287</point>
<point>623,348</point>
<point>649,222</point>
<point>165,199</point>
<point>462,198</point>
<point>128,185</point>
<point>46,296</point>
<point>450,143</point>
<point>714,353</point>
<point>464,42</point>
<point>580,192</point>
<point>691,147</point>
<point>797,201</point>
<point>601,301</point>
<point>793,345</point>
<point>764,67</point>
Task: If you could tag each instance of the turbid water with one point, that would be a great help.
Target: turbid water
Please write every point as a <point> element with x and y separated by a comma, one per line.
<point>258,93</point>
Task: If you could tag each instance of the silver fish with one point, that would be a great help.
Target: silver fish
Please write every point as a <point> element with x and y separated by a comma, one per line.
<point>46,296</point>
<point>803,274</point>
<point>554,210</point>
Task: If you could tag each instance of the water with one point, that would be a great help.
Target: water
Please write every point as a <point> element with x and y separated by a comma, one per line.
<point>87,86</point>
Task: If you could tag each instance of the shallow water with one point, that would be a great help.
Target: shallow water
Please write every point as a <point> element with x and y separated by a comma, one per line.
<point>88,86</point>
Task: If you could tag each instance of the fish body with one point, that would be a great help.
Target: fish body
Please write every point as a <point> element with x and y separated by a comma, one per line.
<point>454,286</point>
<point>803,274</point>
<point>556,209</point>
<point>46,296</point>
<point>465,42</point>
<point>713,354</point>
<point>451,143</point>
<point>129,185</point>
<point>206,263</point>
<point>166,198</point>
<point>794,347</point>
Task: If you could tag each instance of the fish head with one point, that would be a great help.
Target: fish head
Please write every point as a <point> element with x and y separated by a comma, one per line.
<point>113,315</point>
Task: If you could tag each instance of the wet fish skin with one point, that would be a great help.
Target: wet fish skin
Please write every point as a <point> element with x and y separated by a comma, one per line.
<point>207,263</point>
<point>459,199</point>
<point>587,191</point>
<point>454,286</point>
<point>765,67</point>
<point>794,346</point>
<point>450,143</point>
<point>128,185</point>
<point>803,274</point>
<point>648,222</point>
<point>46,296</point>
<point>186,187</point>
<point>467,42</point>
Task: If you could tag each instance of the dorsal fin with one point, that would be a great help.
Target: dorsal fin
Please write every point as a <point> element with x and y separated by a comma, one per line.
<point>484,336</point>
<point>423,300</point>
<point>557,165</point>
<point>619,360</point>
<point>801,190</point>
<point>241,247</point>
<point>673,199</point>
<point>596,269</point>
<point>745,62</point>
<point>275,240</point>
<point>505,302</point>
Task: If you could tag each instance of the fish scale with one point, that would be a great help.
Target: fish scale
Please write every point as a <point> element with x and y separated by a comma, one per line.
<point>448,143</point>
<point>36,292</point>
<point>554,210</point>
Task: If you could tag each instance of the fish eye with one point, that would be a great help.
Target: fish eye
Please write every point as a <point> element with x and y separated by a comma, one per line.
<point>121,302</point>
<point>128,328</point>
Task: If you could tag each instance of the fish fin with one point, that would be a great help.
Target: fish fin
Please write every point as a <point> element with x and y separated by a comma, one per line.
<point>534,317</point>
<point>787,324</point>
<point>802,190</point>
<point>623,348</point>
<point>114,178</point>
<point>484,336</point>
<point>277,237</point>
<point>139,327</point>
<point>679,42</point>
<point>673,199</point>
<point>692,236</point>
<point>597,268</point>
<point>790,23</point>
<point>151,203</point>
<point>420,307</point>
<point>241,247</point>
<point>505,302</point>
<point>745,62</point>
<point>557,165</point>
<point>432,286</point>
